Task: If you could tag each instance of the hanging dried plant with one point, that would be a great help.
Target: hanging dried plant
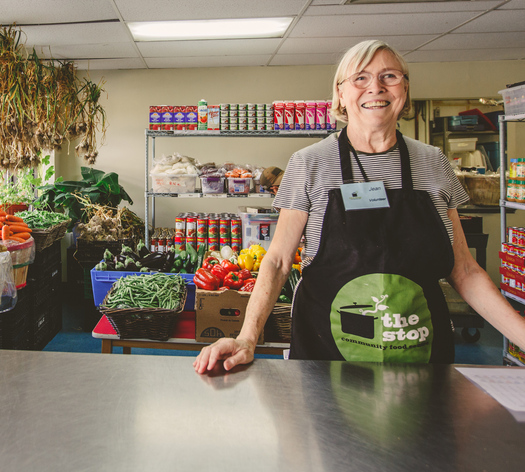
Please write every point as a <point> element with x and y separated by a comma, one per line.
<point>43,103</point>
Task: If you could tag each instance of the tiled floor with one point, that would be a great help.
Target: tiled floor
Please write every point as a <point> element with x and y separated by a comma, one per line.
<point>78,320</point>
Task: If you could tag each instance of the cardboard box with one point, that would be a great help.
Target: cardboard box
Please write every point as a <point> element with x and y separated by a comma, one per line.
<point>220,314</point>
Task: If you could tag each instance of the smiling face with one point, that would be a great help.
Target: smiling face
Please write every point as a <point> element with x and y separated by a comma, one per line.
<point>377,105</point>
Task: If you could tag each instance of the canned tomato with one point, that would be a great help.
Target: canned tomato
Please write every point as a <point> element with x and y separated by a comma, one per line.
<point>180,243</point>
<point>213,244</point>
<point>236,245</point>
<point>153,245</point>
<point>191,227</point>
<point>224,242</point>
<point>202,227</point>
<point>192,241</point>
<point>236,228</point>
<point>213,227</point>
<point>202,240</point>
<point>180,225</point>
<point>224,228</point>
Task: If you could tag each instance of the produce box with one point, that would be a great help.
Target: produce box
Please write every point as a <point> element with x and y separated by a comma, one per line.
<point>181,183</point>
<point>102,280</point>
<point>220,314</point>
<point>237,185</point>
<point>514,100</point>
<point>212,184</point>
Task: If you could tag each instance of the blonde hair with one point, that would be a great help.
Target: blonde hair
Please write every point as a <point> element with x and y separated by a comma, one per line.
<point>355,60</point>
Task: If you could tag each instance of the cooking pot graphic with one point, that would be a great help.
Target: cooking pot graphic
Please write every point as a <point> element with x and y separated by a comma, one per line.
<point>357,323</point>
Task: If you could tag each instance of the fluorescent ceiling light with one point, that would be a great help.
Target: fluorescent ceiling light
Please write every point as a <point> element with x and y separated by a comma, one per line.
<point>209,29</point>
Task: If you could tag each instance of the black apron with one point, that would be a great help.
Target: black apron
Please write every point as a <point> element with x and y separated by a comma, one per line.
<point>371,293</point>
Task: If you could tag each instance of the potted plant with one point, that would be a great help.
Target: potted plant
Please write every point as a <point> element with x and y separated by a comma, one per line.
<point>17,190</point>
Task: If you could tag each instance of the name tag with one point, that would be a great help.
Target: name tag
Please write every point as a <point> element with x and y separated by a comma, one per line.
<point>364,195</point>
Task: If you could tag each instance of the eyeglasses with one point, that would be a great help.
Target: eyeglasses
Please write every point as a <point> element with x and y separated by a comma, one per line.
<point>387,78</point>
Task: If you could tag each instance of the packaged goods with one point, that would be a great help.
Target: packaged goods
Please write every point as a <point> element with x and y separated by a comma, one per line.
<point>239,185</point>
<point>211,184</point>
<point>309,116</point>
<point>154,118</point>
<point>320,115</point>
<point>202,115</point>
<point>278,114</point>
<point>289,115</point>
<point>299,114</point>
<point>213,117</point>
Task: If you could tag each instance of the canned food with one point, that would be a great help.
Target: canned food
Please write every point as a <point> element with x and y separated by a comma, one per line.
<point>213,227</point>
<point>180,226</point>
<point>191,227</point>
<point>236,228</point>
<point>202,227</point>
<point>224,242</point>
<point>224,228</point>
<point>201,241</point>
<point>236,245</point>
<point>213,244</point>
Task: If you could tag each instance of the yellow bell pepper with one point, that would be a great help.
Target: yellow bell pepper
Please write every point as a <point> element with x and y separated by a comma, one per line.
<point>245,261</point>
<point>256,249</point>
<point>257,260</point>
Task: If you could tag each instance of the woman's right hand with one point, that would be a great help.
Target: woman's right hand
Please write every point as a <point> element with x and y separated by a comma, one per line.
<point>231,351</point>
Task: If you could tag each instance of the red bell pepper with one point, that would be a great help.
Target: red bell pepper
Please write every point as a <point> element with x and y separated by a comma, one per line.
<point>209,262</point>
<point>245,274</point>
<point>219,271</point>
<point>248,287</point>
<point>229,266</point>
<point>248,281</point>
<point>233,281</point>
<point>205,280</point>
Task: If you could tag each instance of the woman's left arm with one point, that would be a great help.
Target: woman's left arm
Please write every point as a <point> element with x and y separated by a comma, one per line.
<point>476,287</point>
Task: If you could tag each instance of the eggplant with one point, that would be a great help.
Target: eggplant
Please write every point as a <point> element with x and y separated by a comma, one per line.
<point>142,249</point>
<point>128,252</point>
<point>120,258</point>
<point>168,263</point>
<point>130,265</point>
<point>154,260</point>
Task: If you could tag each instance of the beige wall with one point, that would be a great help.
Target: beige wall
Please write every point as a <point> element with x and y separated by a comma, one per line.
<point>131,92</point>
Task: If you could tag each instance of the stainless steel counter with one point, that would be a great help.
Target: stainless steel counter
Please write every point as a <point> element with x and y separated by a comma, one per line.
<point>92,412</point>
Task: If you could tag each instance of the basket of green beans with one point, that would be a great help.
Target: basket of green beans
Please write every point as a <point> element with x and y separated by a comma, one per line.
<point>145,305</point>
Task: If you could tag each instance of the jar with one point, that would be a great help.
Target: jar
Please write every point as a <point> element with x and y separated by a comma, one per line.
<point>513,169</point>
<point>520,168</point>
<point>520,190</point>
<point>511,191</point>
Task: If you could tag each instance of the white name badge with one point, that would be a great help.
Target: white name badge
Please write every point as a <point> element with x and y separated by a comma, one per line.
<point>364,195</point>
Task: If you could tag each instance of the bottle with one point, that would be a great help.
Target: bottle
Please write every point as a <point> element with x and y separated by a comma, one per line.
<point>202,110</point>
<point>513,170</point>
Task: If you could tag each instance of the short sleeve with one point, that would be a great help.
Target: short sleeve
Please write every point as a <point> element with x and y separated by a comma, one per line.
<point>292,194</point>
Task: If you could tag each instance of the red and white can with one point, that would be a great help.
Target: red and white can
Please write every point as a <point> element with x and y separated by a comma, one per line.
<point>213,244</point>
<point>213,227</point>
<point>202,227</point>
<point>289,115</point>
<point>309,116</point>
<point>236,228</point>
<point>299,114</point>
<point>224,228</point>
<point>224,242</point>
<point>278,115</point>
<point>236,245</point>
<point>191,228</point>
<point>180,226</point>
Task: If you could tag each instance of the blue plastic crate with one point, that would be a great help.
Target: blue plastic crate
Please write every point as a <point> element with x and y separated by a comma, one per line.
<point>102,280</point>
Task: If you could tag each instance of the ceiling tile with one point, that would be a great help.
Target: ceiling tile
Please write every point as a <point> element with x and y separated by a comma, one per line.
<point>208,48</point>
<point>304,59</point>
<point>25,12</point>
<point>139,10</point>
<point>406,7</point>
<point>106,64</point>
<point>211,61</point>
<point>76,34</point>
<point>476,41</point>
<point>465,55</point>
<point>90,51</point>
<point>494,21</point>
<point>378,25</point>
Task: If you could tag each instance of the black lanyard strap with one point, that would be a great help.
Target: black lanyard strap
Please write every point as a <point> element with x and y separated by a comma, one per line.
<point>345,148</point>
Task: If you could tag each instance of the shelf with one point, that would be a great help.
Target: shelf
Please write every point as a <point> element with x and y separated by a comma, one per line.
<point>209,195</point>
<point>240,133</point>
<point>513,360</point>
<point>520,117</point>
<point>515,205</point>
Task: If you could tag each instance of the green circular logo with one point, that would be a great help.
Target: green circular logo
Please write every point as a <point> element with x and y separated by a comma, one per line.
<point>382,318</point>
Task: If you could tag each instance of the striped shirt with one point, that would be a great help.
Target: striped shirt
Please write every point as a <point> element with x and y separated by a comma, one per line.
<point>316,169</point>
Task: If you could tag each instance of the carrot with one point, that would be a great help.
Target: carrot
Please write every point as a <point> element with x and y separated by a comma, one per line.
<point>22,235</point>
<point>14,218</point>
<point>3,218</point>
<point>19,228</point>
<point>6,232</point>
<point>2,213</point>
<point>18,240</point>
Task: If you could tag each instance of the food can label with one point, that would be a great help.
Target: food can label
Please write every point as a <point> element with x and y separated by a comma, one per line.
<point>224,228</point>
<point>236,228</point>
<point>224,242</point>
<point>236,245</point>
<point>213,244</point>
<point>191,227</point>
<point>202,228</point>
<point>180,227</point>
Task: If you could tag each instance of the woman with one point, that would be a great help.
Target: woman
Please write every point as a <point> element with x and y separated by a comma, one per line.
<point>379,215</point>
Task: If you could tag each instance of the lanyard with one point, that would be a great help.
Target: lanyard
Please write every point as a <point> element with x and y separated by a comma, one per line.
<point>346,162</point>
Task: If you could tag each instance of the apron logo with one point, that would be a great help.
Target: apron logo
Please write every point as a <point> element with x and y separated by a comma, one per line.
<point>392,322</point>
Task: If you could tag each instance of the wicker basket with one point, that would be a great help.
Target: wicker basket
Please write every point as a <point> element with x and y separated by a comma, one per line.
<point>143,323</point>
<point>46,237</point>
